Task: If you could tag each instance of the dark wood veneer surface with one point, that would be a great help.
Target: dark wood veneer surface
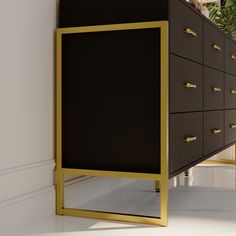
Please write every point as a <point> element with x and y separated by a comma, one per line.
<point>213,57</point>
<point>184,99</point>
<point>110,101</point>
<point>181,43</point>
<point>100,12</point>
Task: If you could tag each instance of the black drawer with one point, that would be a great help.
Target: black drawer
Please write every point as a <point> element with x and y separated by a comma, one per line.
<point>213,47</point>
<point>185,139</point>
<point>213,131</point>
<point>186,31</point>
<point>230,56</point>
<point>185,85</point>
<point>230,126</point>
<point>230,91</point>
<point>213,89</point>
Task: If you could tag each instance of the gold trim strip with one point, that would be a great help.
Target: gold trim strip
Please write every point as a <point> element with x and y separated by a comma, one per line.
<point>114,174</point>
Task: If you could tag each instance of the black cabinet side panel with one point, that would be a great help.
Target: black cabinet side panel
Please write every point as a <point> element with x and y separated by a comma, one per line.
<point>111,101</point>
<point>98,12</point>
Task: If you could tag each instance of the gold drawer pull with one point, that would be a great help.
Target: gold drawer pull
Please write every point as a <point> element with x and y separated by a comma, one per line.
<point>232,91</point>
<point>215,89</point>
<point>232,126</point>
<point>190,139</point>
<point>233,57</point>
<point>189,85</point>
<point>190,32</point>
<point>216,47</point>
<point>216,131</point>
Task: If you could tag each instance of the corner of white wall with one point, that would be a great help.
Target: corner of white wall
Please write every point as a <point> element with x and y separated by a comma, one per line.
<point>27,47</point>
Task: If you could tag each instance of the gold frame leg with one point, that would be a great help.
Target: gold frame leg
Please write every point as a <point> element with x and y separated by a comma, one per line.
<point>186,173</point>
<point>142,219</point>
<point>157,186</point>
<point>234,154</point>
<point>59,193</point>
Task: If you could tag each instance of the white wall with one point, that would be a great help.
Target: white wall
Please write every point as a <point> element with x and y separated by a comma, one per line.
<point>27,30</point>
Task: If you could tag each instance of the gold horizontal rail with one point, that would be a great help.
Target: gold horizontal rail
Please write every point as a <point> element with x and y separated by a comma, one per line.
<point>115,174</point>
<point>112,216</point>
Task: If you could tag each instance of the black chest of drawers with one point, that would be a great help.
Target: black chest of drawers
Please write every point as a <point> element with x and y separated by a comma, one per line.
<point>202,84</point>
<point>134,101</point>
<point>111,103</point>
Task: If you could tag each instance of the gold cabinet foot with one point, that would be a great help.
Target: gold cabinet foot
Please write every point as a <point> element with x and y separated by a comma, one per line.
<point>186,173</point>
<point>157,186</point>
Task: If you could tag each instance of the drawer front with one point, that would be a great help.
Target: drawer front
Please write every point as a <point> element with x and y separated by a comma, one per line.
<point>213,47</point>
<point>230,126</point>
<point>185,139</point>
<point>185,85</point>
<point>230,57</point>
<point>213,131</point>
<point>186,31</point>
<point>230,91</point>
<point>213,89</point>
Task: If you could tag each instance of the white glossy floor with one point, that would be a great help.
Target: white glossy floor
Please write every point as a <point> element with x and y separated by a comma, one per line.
<point>202,204</point>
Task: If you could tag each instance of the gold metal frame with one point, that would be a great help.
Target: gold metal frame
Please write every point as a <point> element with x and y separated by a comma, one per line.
<point>162,178</point>
<point>222,161</point>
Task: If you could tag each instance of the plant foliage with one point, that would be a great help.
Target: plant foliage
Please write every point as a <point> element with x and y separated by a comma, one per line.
<point>224,17</point>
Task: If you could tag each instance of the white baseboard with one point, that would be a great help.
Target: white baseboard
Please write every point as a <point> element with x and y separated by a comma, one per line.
<point>18,183</point>
<point>19,216</point>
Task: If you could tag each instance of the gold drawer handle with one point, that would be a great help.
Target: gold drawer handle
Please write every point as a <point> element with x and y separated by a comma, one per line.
<point>232,91</point>
<point>232,126</point>
<point>233,57</point>
<point>216,131</point>
<point>216,47</point>
<point>190,139</point>
<point>189,85</point>
<point>190,32</point>
<point>216,89</point>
